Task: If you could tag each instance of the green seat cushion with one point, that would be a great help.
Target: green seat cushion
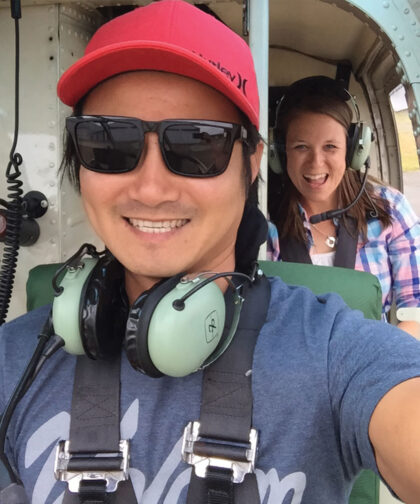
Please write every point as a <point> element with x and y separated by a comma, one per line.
<point>360,290</point>
<point>39,290</point>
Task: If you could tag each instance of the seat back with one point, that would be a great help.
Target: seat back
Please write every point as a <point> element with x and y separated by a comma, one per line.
<point>360,290</point>
<point>39,290</point>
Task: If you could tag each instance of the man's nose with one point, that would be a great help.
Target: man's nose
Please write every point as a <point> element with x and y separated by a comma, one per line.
<point>152,182</point>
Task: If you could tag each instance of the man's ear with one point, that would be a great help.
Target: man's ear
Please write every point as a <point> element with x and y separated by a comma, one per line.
<point>255,160</point>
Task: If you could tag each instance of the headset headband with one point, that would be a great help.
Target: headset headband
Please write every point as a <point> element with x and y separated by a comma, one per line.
<point>318,85</point>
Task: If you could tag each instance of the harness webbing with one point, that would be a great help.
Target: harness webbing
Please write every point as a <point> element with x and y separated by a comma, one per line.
<point>95,429</point>
<point>292,250</point>
<point>226,406</point>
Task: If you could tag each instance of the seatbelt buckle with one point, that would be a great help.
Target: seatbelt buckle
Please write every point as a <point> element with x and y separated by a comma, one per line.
<point>202,453</point>
<point>75,468</point>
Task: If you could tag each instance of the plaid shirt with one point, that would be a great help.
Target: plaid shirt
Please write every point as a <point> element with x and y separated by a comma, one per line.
<point>392,254</point>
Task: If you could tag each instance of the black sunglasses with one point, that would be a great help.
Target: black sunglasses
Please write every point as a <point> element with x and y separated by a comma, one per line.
<point>192,148</point>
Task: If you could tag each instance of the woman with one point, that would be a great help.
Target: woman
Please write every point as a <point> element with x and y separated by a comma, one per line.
<point>379,234</point>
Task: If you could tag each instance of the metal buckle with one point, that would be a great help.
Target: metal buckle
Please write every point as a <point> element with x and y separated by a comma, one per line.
<point>112,477</point>
<point>240,465</point>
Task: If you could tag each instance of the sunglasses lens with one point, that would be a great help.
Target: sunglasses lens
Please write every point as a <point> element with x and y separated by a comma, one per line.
<point>108,146</point>
<point>197,150</point>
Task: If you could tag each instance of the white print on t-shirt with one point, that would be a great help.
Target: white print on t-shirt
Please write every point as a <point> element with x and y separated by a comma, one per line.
<point>272,489</point>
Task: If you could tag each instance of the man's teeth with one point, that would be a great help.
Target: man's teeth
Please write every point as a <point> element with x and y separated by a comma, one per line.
<point>157,226</point>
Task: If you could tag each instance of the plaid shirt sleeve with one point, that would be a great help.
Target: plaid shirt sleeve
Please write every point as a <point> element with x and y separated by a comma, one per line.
<point>393,253</point>
<point>273,247</point>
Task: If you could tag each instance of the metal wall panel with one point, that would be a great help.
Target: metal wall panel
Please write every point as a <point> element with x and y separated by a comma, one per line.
<point>51,38</point>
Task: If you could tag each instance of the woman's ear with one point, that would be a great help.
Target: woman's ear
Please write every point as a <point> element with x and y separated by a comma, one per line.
<point>255,160</point>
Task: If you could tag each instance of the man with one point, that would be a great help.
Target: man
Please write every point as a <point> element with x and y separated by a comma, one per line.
<point>332,392</point>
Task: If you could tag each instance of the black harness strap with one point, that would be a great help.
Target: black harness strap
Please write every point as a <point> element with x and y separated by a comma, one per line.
<point>226,409</point>
<point>292,250</point>
<point>95,430</point>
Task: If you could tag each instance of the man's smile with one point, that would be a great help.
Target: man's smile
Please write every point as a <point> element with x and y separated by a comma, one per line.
<point>163,226</point>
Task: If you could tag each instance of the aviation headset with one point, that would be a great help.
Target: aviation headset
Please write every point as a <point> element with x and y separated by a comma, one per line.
<point>359,134</point>
<point>175,328</point>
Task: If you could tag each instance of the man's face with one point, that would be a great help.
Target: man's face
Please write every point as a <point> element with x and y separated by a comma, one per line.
<point>157,223</point>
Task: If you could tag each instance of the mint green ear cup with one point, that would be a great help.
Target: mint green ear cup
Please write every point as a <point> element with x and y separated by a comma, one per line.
<point>179,341</point>
<point>274,154</point>
<point>359,144</point>
<point>361,147</point>
<point>66,306</point>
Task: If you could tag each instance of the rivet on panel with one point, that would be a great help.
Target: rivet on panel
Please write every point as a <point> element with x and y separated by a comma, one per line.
<point>394,27</point>
<point>51,164</point>
<point>385,5</point>
<point>52,183</point>
<point>408,53</point>
<point>51,146</point>
<point>406,10</point>
<point>401,37</point>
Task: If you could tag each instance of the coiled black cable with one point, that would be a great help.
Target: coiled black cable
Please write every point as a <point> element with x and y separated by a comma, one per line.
<point>14,205</point>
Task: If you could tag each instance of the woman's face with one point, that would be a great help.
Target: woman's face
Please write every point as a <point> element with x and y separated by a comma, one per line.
<point>316,159</point>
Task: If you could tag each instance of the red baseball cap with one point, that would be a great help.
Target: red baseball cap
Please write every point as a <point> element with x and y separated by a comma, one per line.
<point>169,36</point>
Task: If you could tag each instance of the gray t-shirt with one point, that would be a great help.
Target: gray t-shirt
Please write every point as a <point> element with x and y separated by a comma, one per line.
<point>319,370</point>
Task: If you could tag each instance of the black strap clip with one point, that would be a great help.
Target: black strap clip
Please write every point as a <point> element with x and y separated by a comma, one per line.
<point>206,453</point>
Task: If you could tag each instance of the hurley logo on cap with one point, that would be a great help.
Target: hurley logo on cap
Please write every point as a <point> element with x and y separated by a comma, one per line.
<point>235,78</point>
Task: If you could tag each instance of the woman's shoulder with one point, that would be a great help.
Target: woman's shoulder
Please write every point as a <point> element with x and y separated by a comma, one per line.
<point>399,206</point>
<point>388,193</point>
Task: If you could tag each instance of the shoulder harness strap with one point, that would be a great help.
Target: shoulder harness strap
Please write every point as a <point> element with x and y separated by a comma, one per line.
<point>292,250</point>
<point>94,461</point>
<point>222,445</point>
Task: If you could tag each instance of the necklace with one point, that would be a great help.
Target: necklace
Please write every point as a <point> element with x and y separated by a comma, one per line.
<point>330,241</point>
